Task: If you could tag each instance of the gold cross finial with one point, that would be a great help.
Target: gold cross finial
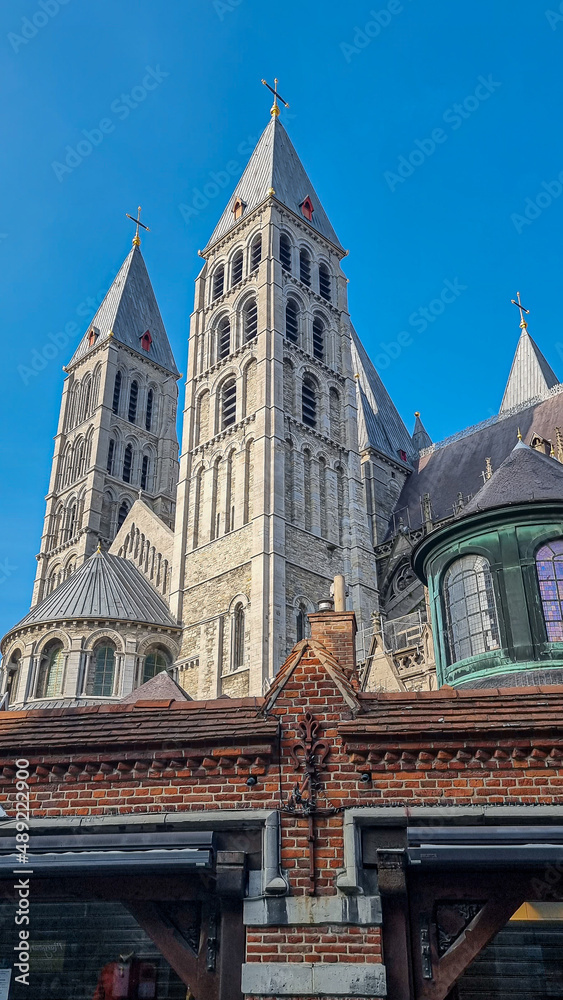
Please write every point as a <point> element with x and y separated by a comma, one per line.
<point>274,110</point>
<point>137,221</point>
<point>523,324</point>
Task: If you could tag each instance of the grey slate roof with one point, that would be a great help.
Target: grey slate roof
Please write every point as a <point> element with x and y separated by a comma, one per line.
<point>527,474</point>
<point>129,309</point>
<point>420,436</point>
<point>275,164</point>
<point>104,587</point>
<point>530,375</point>
<point>455,465</point>
<point>379,424</point>
<point>159,688</point>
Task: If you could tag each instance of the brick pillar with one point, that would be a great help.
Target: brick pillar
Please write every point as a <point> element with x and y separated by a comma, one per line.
<point>337,632</point>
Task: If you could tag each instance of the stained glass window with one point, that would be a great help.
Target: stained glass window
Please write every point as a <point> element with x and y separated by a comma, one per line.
<point>549,563</point>
<point>471,612</point>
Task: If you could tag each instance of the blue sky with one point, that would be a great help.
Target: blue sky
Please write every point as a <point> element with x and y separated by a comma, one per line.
<point>373,88</point>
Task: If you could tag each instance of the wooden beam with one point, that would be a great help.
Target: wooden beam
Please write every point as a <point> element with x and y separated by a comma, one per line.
<point>175,949</point>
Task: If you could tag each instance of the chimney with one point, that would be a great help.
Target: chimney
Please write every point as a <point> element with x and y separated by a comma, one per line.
<point>336,628</point>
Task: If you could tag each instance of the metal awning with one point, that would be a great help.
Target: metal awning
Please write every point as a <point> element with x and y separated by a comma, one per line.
<point>485,845</point>
<point>102,854</point>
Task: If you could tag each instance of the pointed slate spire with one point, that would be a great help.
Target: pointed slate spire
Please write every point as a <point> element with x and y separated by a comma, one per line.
<point>379,423</point>
<point>127,312</point>
<point>530,375</point>
<point>420,436</point>
<point>275,170</point>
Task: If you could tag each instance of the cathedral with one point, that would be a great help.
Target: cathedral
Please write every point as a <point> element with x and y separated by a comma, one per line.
<point>295,467</point>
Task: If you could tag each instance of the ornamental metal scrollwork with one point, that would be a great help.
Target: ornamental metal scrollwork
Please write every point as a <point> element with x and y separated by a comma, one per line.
<point>309,753</point>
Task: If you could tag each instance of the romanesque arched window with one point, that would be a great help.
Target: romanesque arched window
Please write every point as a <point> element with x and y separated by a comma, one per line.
<point>318,338</point>
<point>127,463</point>
<point>116,392</point>
<point>224,337</point>
<point>302,622</point>
<point>230,497</point>
<point>250,320</point>
<point>292,321</point>
<point>305,266</point>
<point>101,675</point>
<point>149,410</point>
<point>237,658</point>
<point>285,252</point>
<point>122,513</point>
<point>324,282</point>
<point>470,605</point>
<point>71,524</point>
<point>156,660</point>
<point>255,252</point>
<point>215,493</point>
<point>549,565</point>
<point>51,671</point>
<point>247,510</point>
<point>218,281</point>
<point>228,403</point>
<point>133,397</point>
<point>145,465</point>
<point>237,267</point>
<point>309,402</point>
<point>307,490</point>
<point>340,501</point>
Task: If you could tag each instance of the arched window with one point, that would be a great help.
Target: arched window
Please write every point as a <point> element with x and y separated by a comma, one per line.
<point>224,337</point>
<point>156,660</point>
<point>250,320</point>
<point>237,659</point>
<point>248,505</point>
<point>302,622</point>
<point>324,282</point>
<point>322,497</point>
<point>127,463</point>
<point>133,396</point>
<point>309,402</point>
<point>71,523</point>
<point>255,253</point>
<point>334,414</point>
<point>101,676</point>
<point>305,266</point>
<point>111,455</point>
<point>289,481</point>
<point>201,432</point>
<point>228,403</point>
<point>340,487</point>
<point>148,413</point>
<point>285,252</point>
<point>236,267</point>
<point>292,321</point>
<point>51,669</point>
<point>318,338</point>
<point>122,514</point>
<point>218,281</point>
<point>85,403</point>
<point>471,613</point>
<point>116,392</point>
<point>144,472</point>
<point>230,498</point>
<point>549,564</point>
<point>198,507</point>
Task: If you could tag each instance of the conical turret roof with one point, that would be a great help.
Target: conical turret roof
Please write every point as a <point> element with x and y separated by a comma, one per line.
<point>105,587</point>
<point>127,312</point>
<point>530,376</point>
<point>275,165</point>
<point>524,476</point>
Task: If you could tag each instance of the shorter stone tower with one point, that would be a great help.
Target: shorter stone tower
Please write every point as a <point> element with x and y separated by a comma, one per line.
<point>117,428</point>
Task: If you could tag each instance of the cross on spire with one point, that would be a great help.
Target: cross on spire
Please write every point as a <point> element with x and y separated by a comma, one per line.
<point>274,110</point>
<point>137,221</point>
<point>523,324</point>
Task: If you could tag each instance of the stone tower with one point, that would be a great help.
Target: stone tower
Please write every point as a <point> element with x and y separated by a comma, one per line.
<point>271,502</point>
<point>117,428</point>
